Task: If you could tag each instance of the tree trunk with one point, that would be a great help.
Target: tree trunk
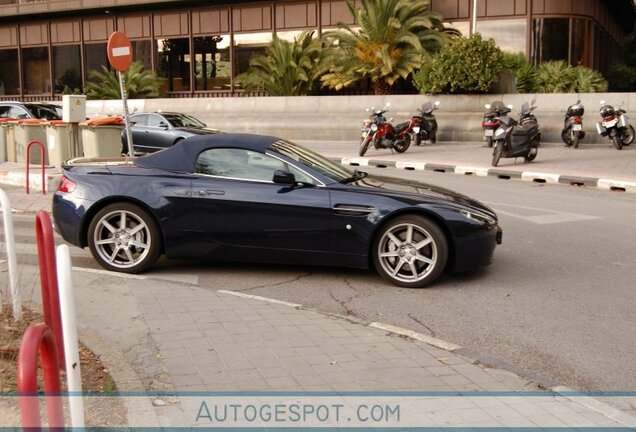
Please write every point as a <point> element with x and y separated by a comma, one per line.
<point>380,87</point>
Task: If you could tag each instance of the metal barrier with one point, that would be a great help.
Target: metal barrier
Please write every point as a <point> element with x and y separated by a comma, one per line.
<point>39,338</point>
<point>48,278</point>
<point>28,157</point>
<point>9,240</point>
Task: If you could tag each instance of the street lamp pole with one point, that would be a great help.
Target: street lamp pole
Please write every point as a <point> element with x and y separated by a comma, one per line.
<point>473,24</point>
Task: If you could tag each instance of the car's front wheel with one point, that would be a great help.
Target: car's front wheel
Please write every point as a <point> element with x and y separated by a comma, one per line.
<point>410,251</point>
<point>124,238</point>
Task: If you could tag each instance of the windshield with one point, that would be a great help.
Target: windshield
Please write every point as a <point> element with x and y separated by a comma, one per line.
<point>313,160</point>
<point>183,120</point>
<point>46,112</point>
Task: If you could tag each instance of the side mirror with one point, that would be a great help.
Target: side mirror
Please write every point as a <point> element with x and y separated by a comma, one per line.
<point>163,125</point>
<point>437,103</point>
<point>284,178</point>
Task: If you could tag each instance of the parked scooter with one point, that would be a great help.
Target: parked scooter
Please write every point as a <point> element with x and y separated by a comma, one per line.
<point>616,125</point>
<point>572,131</point>
<point>491,122</point>
<point>517,139</point>
<point>423,125</point>
<point>381,133</point>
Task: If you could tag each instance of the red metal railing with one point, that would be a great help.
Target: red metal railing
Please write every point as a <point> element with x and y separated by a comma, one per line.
<point>48,279</point>
<point>39,338</point>
<point>27,157</point>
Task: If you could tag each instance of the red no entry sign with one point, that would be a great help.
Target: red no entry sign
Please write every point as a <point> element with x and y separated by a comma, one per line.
<point>119,51</point>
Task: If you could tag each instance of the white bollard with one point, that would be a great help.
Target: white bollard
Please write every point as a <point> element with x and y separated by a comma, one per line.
<point>69,332</point>
<point>9,240</point>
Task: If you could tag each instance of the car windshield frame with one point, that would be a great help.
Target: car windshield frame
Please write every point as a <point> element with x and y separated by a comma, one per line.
<point>54,112</point>
<point>183,120</point>
<point>312,160</point>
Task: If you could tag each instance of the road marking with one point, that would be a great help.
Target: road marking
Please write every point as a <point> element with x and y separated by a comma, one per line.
<point>549,216</point>
<point>438,343</point>
<point>255,297</point>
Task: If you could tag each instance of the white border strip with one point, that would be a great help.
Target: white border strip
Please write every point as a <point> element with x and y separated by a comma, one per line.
<point>466,170</point>
<point>448,346</point>
<point>597,405</point>
<point>608,184</point>
<point>418,166</point>
<point>356,161</point>
<point>255,297</point>
<point>532,176</point>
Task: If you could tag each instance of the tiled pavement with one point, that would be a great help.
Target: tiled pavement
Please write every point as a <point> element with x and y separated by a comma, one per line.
<point>182,337</point>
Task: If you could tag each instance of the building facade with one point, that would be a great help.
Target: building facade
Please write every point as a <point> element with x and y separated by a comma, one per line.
<point>48,47</point>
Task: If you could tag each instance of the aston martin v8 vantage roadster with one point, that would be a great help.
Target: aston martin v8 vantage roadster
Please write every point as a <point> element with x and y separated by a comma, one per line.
<point>254,198</point>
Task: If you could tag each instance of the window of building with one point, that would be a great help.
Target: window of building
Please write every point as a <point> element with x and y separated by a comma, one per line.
<point>173,64</point>
<point>67,68</point>
<point>142,52</point>
<point>248,45</point>
<point>580,43</point>
<point>213,69</point>
<point>37,77</point>
<point>9,79</point>
<point>95,57</point>
<point>550,39</point>
<point>509,34</point>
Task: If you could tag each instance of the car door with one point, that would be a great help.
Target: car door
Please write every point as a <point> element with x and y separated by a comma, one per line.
<point>158,133</point>
<point>137,130</point>
<point>241,209</point>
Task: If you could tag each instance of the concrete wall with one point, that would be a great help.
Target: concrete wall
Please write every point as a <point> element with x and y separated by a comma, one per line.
<point>340,117</point>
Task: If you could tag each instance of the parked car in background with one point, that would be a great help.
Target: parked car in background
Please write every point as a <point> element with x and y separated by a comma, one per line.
<point>31,110</point>
<point>152,132</point>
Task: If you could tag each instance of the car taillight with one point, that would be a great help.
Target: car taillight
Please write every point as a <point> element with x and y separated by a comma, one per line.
<point>66,185</point>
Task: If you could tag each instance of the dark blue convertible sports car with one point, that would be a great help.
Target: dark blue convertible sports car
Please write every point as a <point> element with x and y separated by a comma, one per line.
<point>263,199</point>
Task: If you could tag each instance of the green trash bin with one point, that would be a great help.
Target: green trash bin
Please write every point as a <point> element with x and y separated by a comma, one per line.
<point>25,132</point>
<point>102,137</point>
<point>58,142</point>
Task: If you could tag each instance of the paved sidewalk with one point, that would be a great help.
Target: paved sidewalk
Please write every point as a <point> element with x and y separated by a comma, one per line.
<point>180,337</point>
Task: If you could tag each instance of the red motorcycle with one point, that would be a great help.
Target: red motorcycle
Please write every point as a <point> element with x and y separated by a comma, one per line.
<point>381,133</point>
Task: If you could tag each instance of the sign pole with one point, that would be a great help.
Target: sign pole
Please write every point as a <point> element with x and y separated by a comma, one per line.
<point>120,58</point>
<point>124,98</point>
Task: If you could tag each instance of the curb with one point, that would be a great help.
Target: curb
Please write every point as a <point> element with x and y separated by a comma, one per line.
<point>527,176</point>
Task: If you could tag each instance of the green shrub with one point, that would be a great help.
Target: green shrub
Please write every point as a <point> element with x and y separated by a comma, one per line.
<point>140,83</point>
<point>467,65</point>
<point>560,77</point>
<point>622,78</point>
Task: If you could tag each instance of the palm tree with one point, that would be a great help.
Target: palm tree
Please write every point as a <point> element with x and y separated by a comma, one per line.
<point>288,68</point>
<point>393,39</point>
<point>140,83</point>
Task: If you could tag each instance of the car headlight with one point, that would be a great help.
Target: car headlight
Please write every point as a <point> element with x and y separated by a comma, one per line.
<point>374,127</point>
<point>479,217</point>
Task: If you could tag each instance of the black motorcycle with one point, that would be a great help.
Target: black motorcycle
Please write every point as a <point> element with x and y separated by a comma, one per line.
<point>616,125</point>
<point>517,139</point>
<point>424,124</point>
<point>572,131</point>
<point>491,122</point>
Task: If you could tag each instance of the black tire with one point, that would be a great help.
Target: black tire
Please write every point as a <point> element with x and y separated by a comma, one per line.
<point>131,248</point>
<point>411,263</point>
<point>532,154</point>
<point>575,140</point>
<point>616,140</point>
<point>418,139</point>
<point>489,141</point>
<point>433,139</point>
<point>364,145</point>
<point>565,137</point>
<point>402,145</point>
<point>628,135</point>
<point>497,153</point>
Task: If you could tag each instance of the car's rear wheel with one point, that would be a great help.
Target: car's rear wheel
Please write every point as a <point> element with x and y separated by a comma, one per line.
<point>410,251</point>
<point>124,238</point>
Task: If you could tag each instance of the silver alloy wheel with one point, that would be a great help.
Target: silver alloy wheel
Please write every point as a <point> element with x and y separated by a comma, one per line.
<point>407,252</point>
<point>122,239</point>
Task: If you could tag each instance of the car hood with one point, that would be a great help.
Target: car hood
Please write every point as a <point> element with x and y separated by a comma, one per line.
<point>198,131</point>
<point>420,191</point>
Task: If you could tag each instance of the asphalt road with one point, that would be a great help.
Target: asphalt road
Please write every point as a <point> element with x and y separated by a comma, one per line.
<point>558,301</point>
